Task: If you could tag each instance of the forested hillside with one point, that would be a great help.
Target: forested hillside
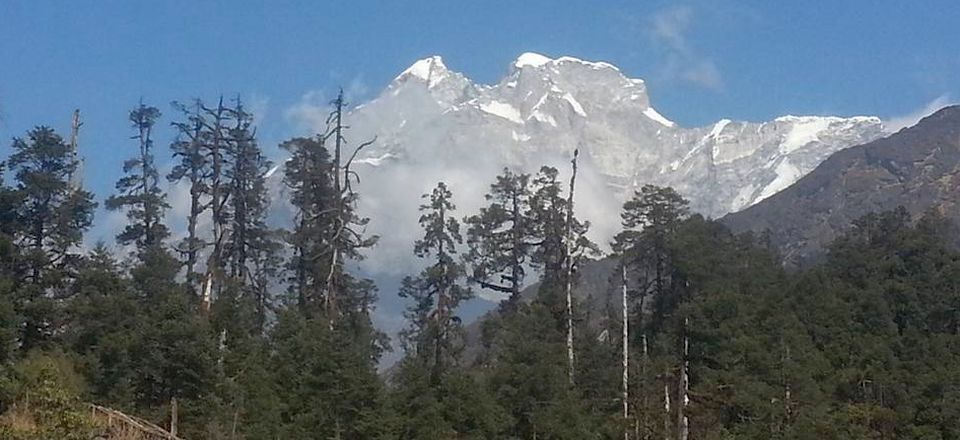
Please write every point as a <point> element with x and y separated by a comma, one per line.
<point>241,329</point>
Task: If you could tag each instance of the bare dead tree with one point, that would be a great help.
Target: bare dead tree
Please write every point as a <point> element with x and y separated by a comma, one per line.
<point>683,422</point>
<point>75,174</point>
<point>215,123</point>
<point>570,262</point>
<point>626,351</point>
<point>192,168</point>
<point>345,237</point>
<point>666,408</point>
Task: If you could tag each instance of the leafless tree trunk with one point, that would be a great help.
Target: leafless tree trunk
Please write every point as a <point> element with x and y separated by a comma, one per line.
<point>218,200</point>
<point>173,416</point>
<point>440,312</point>
<point>330,298</point>
<point>236,421</point>
<point>626,353</point>
<point>75,175</point>
<point>143,138</point>
<point>666,407</point>
<point>643,390</point>
<point>569,285</point>
<point>683,423</point>
<point>787,392</point>
<point>517,250</point>
<point>196,208</point>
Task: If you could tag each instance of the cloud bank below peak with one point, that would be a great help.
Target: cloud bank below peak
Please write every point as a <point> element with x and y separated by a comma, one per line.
<point>899,122</point>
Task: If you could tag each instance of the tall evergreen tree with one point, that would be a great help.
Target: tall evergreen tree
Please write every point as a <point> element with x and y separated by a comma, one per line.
<point>333,306</point>
<point>192,168</point>
<point>650,220</point>
<point>436,292</point>
<point>562,242</point>
<point>325,379</point>
<point>530,376</point>
<point>501,236</point>
<point>52,216</point>
<point>311,193</point>
<point>250,248</point>
<point>104,317</point>
<point>175,354</point>
<point>434,396</point>
<point>243,304</point>
<point>549,218</point>
<point>139,190</point>
<point>216,124</point>
<point>10,270</point>
<point>329,232</point>
<point>346,240</point>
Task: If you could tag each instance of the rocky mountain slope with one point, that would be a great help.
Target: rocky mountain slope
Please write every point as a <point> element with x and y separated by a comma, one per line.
<point>917,168</point>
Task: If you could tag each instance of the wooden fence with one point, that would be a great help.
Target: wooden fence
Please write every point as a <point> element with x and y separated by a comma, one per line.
<point>124,427</point>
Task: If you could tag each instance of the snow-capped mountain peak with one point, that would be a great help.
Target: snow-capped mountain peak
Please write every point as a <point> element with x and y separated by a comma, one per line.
<point>430,70</point>
<point>429,80</point>
<point>535,60</point>
<point>434,124</point>
<point>531,59</point>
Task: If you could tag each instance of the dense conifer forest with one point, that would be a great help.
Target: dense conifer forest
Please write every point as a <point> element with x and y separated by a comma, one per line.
<point>242,329</point>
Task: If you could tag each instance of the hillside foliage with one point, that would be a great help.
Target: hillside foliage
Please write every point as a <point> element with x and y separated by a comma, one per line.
<point>246,330</point>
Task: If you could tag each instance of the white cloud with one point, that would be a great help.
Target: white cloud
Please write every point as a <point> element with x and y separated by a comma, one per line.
<point>896,123</point>
<point>310,113</point>
<point>258,105</point>
<point>669,29</point>
<point>670,26</point>
<point>356,90</point>
<point>705,74</point>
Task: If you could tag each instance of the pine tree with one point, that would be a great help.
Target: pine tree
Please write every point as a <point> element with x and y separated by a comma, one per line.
<point>216,122</point>
<point>650,219</point>
<point>333,307</point>
<point>193,168</point>
<point>51,219</point>
<point>139,190</point>
<point>243,305</point>
<point>434,397</point>
<point>223,165</point>
<point>328,231</point>
<point>562,242</point>
<point>174,355</point>
<point>548,216</point>
<point>10,270</point>
<point>530,376</point>
<point>346,240</point>
<point>307,174</point>
<point>501,237</point>
<point>436,292</point>
<point>250,248</point>
<point>325,380</point>
<point>549,219</point>
<point>104,316</point>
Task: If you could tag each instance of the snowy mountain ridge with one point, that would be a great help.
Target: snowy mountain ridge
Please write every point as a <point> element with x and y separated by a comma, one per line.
<point>434,124</point>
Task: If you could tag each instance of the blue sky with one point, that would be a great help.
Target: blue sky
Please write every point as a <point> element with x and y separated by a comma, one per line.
<point>702,60</point>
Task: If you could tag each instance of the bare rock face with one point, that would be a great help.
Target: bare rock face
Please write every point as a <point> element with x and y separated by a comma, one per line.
<point>917,168</point>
